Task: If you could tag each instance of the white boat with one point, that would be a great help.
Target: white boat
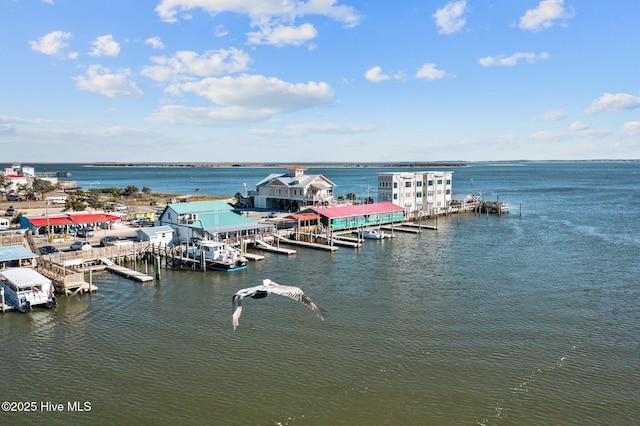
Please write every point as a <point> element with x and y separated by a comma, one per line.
<point>372,234</point>
<point>25,288</point>
<point>218,255</point>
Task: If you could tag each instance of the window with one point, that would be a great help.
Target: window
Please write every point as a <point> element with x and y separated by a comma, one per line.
<point>430,182</point>
<point>439,181</point>
<point>395,196</point>
<point>419,183</point>
<point>395,184</point>
<point>419,194</point>
<point>407,184</point>
<point>448,181</point>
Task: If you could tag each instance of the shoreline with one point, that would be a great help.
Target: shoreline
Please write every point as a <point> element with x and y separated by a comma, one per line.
<point>279,165</point>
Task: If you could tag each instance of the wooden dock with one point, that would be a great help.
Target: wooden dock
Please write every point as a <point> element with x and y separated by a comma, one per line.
<point>402,228</point>
<point>126,272</point>
<point>306,244</point>
<point>420,226</point>
<point>268,247</point>
<point>253,256</point>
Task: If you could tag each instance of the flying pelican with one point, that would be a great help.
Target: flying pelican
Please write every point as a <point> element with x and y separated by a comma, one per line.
<point>268,286</point>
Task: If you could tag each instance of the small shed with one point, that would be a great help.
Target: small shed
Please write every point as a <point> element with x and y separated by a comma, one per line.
<point>156,235</point>
<point>17,255</point>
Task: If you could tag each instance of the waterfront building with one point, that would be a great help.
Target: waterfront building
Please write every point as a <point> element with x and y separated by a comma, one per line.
<point>347,216</point>
<point>212,219</point>
<point>159,235</point>
<point>425,192</point>
<point>292,191</point>
<point>66,223</point>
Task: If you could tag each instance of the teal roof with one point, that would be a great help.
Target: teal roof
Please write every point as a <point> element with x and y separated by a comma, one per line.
<point>15,253</point>
<point>216,217</point>
<point>200,207</point>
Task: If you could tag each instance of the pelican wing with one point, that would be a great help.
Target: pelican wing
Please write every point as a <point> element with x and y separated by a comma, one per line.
<point>237,310</point>
<point>294,293</point>
<point>269,286</point>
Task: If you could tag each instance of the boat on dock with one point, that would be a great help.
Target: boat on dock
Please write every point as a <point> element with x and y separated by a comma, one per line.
<point>372,234</point>
<point>218,255</point>
<point>24,288</point>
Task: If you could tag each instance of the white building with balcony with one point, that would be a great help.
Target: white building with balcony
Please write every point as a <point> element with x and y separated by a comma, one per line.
<point>423,193</point>
<point>292,190</point>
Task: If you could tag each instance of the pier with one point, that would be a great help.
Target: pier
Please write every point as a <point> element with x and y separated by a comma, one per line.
<point>126,272</point>
<point>268,247</point>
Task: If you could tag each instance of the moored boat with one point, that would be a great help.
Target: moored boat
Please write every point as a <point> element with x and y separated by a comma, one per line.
<point>372,234</point>
<point>218,255</point>
<point>25,288</point>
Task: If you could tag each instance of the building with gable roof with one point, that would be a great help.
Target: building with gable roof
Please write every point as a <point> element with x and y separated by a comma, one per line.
<point>212,219</point>
<point>292,190</point>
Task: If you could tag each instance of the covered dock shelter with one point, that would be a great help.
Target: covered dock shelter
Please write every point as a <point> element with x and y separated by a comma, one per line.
<point>66,223</point>
<point>354,216</point>
<point>16,255</point>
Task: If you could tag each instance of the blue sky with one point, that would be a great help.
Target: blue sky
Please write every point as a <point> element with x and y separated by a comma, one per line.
<point>318,80</point>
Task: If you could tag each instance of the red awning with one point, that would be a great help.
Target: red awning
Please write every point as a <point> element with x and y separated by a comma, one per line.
<point>88,218</point>
<point>55,220</point>
<point>73,219</point>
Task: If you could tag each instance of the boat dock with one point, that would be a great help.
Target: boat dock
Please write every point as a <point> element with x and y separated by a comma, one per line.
<point>306,244</point>
<point>125,272</point>
<point>253,256</point>
<point>402,228</point>
<point>273,249</point>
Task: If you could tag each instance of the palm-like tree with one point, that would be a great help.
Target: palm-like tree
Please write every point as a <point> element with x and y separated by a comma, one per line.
<point>197,192</point>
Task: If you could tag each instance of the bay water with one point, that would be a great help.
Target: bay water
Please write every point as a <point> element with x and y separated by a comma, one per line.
<point>527,318</point>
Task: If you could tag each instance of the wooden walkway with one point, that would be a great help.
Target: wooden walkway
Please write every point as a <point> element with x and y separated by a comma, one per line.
<point>401,228</point>
<point>126,272</point>
<point>268,247</point>
<point>306,244</point>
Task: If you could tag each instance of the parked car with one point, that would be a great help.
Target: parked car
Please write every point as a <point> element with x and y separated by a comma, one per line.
<point>10,211</point>
<point>112,240</point>
<point>47,249</point>
<point>81,245</point>
<point>13,197</point>
<point>85,232</point>
<point>143,221</point>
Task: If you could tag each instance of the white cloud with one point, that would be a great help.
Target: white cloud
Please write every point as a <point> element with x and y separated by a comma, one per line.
<point>209,116</point>
<point>553,115</point>
<point>613,102</point>
<point>631,128</point>
<point>430,71</point>
<point>283,35</point>
<point>187,64</point>
<point>578,126</point>
<point>375,74</point>
<point>545,15</point>
<point>273,17</point>
<point>105,46</point>
<point>51,44</point>
<point>296,131</point>
<point>512,60</point>
<point>155,43</point>
<point>258,92</point>
<point>221,31</point>
<point>449,19</point>
<point>101,80</point>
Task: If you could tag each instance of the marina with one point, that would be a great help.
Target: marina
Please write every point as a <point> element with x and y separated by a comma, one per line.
<point>489,319</point>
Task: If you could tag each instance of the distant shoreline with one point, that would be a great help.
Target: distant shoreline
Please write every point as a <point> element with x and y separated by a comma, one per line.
<point>281,165</point>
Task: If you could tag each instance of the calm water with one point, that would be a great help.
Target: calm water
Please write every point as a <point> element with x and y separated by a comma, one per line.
<point>517,319</point>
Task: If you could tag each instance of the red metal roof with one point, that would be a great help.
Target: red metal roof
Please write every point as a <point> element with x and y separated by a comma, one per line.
<point>356,210</point>
<point>71,219</point>
<point>55,220</point>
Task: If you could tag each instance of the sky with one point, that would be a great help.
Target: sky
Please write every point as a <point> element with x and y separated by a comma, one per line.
<point>290,81</point>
